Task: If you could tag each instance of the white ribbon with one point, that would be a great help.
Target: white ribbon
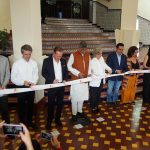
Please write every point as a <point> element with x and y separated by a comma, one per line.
<point>48,86</point>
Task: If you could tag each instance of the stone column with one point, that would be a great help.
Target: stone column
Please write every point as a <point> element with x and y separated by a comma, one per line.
<point>5,15</point>
<point>26,29</point>
<point>128,33</point>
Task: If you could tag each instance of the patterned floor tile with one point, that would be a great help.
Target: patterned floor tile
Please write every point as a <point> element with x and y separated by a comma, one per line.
<point>125,127</point>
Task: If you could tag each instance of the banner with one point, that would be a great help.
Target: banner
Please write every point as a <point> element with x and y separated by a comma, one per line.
<point>48,86</point>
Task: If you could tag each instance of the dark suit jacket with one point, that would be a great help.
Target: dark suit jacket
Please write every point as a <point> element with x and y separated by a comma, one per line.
<point>48,70</point>
<point>113,63</point>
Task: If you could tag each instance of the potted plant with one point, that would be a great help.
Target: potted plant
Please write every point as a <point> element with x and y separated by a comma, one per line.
<point>4,37</point>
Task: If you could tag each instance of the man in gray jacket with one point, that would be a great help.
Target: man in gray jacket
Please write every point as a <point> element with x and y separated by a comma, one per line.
<point>4,79</point>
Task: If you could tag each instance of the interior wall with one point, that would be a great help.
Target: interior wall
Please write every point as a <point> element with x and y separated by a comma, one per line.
<point>129,14</point>
<point>106,18</point>
<point>144,27</point>
<point>143,9</point>
<point>5,21</point>
<point>113,4</point>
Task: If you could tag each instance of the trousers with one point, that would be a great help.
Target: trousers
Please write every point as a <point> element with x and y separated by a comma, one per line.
<point>55,103</point>
<point>25,106</point>
<point>77,106</point>
<point>4,109</point>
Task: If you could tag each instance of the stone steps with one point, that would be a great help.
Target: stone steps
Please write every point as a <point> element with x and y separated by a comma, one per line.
<point>57,20</point>
<point>101,41</point>
<point>65,25</point>
<point>46,33</point>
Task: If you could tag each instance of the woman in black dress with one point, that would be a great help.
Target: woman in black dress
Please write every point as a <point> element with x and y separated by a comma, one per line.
<point>146,79</point>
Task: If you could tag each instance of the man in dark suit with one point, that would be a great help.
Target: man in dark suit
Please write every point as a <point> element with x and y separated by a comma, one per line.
<point>117,61</point>
<point>54,71</point>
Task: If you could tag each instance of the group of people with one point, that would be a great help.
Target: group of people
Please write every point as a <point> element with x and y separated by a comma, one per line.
<point>24,74</point>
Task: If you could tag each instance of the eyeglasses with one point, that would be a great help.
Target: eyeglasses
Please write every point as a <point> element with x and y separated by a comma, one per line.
<point>98,53</point>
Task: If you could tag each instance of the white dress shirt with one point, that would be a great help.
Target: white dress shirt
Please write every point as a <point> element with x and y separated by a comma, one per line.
<point>98,67</point>
<point>23,70</point>
<point>57,70</point>
<point>119,58</point>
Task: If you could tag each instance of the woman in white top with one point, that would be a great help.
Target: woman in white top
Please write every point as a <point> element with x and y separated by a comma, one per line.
<point>98,68</point>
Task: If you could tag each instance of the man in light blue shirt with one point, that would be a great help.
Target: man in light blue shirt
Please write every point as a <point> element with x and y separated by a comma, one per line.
<point>117,61</point>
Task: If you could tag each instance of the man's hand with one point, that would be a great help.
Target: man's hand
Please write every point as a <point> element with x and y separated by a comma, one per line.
<point>55,81</point>
<point>118,71</point>
<point>110,71</point>
<point>81,75</point>
<point>1,88</point>
<point>25,137</point>
<point>26,83</point>
<point>32,84</point>
<point>55,143</point>
<point>1,124</point>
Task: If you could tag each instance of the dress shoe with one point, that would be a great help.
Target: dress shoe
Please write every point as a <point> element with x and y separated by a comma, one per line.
<point>33,126</point>
<point>81,115</point>
<point>109,103</point>
<point>59,123</point>
<point>115,103</point>
<point>95,110</point>
<point>74,118</point>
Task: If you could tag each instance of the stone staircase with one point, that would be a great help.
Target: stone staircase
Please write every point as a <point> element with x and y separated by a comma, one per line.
<point>67,33</point>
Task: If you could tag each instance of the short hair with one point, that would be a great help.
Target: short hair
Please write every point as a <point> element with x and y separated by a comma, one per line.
<point>59,49</point>
<point>131,51</point>
<point>26,47</point>
<point>82,44</point>
<point>119,44</point>
<point>96,51</point>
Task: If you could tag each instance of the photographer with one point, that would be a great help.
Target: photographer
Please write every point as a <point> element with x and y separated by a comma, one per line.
<point>25,137</point>
<point>54,142</point>
<point>29,144</point>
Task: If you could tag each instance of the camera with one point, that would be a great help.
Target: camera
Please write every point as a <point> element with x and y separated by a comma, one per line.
<point>12,129</point>
<point>46,136</point>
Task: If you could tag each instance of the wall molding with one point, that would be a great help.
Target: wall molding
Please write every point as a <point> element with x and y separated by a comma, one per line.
<point>143,18</point>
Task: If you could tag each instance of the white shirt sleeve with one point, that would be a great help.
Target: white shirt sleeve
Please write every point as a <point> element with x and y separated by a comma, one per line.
<point>70,68</point>
<point>89,69</point>
<point>35,74</point>
<point>15,76</point>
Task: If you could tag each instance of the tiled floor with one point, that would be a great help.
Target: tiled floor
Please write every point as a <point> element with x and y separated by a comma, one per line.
<point>125,127</point>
